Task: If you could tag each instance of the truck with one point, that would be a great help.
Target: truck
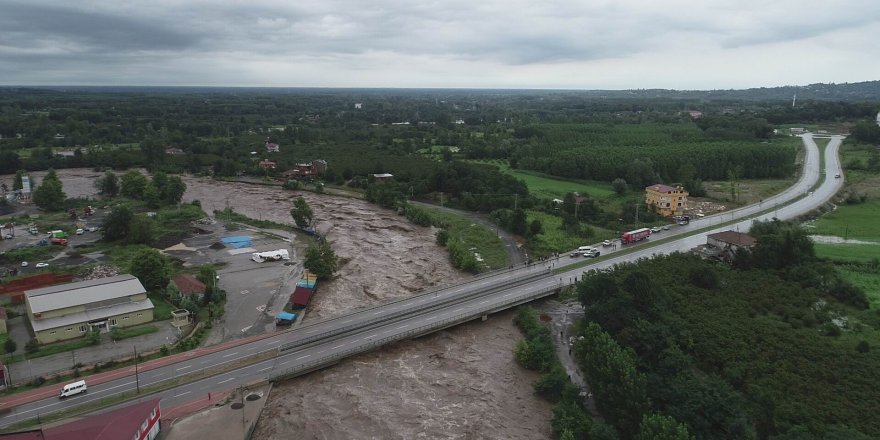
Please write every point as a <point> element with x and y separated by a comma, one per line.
<point>276,255</point>
<point>58,241</point>
<point>58,234</point>
<point>634,236</point>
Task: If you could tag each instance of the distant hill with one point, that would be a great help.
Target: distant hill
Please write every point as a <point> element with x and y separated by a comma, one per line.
<point>859,91</point>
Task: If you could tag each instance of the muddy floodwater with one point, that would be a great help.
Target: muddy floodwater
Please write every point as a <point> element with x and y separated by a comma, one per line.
<point>459,383</point>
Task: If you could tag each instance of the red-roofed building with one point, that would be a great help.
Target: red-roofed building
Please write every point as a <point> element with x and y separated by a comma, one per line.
<point>174,151</point>
<point>665,200</point>
<point>136,422</point>
<point>267,164</point>
<point>300,297</point>
<point>272,147</point>
<point>188,285</point>
<point>306,170</point>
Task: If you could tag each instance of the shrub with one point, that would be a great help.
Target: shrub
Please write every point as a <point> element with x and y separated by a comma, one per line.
<point>32,346</point>
<point>10,346</point>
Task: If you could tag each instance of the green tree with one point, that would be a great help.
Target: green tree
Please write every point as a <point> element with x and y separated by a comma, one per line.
<point>132,185</point>
<point>301,213</point>
<point>174,190</point>
<point>535,228</point>
<point>108,184</point>
<point>115,226</point>
<point>320,260</point>
<point>140,230</point>
<point>50,195</point>
<point>17,182</point>
<point>442,237</point>
<point>518,223</point>
<point>152,196</point>
<point>10,346</point>
<point>660,427</point>
<point>152,269</point>
<point>619,186</point>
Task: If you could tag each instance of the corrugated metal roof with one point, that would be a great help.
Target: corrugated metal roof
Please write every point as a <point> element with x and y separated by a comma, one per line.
<point>90,315</point>
<point>83,292</point>
<point>122,423</point>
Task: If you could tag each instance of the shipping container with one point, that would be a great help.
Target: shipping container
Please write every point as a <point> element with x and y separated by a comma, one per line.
<point>300,297</point>
<point>309,284</point>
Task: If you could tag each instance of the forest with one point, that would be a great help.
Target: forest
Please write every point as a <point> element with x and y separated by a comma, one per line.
<point>775,346</point>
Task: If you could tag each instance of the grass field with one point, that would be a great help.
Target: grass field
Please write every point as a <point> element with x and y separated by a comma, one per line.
<point>484,240</point>
<point>860,221</point>
<point>848,252</point>
<point>549,187</point>
<point>553,239</point>
<point>868,282</point>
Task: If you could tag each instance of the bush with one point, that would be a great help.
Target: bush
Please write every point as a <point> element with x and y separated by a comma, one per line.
<point>10,346</point>
<point>38,381</point>
<point>32,346</point>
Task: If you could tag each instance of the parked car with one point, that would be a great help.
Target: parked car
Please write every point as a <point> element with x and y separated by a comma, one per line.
<point>91,229</point>
<point>80,232</point>
<point>42,265</point>
<point>665,227</point>
<point>837,176</point>
<point>24,264</point>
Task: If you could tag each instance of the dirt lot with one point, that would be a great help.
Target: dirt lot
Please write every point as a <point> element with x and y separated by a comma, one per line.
<point>459,383</point>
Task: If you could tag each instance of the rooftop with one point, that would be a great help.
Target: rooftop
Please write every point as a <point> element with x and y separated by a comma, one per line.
<point>188,285</point>
<point>84,292</point>
<point>734,238</point>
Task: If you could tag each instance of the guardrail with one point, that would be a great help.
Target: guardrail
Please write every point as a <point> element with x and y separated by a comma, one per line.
<point>441,301</point>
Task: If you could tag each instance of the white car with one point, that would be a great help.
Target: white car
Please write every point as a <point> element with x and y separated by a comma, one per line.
<point>24,264</point>
<point>91,229</point>
<point>655,230</point>
<point>42,265</point>
<point>606,243</point>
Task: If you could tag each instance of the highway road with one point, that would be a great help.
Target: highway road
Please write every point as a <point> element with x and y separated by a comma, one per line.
<point>317,345</point>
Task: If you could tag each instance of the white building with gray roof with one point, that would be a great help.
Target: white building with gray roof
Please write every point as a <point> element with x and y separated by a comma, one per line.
<point>71,310</point>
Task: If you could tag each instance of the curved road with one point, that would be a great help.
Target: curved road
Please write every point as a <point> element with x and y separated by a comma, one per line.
<point>317,345</point>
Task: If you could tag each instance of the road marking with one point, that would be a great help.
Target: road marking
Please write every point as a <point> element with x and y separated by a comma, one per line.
<point>261,308</point>
<point>264,369</point>
<point>377,312</point>
<point>338,346</point>
<point>303,357</point>
<point>182,394</point>
<point>457,310</point>
<point>224,381</point>
<point>484,302</point>
<point>184,368</point>
<point>312,330</point>
<point>245,292</point>
<point>230,354</point>
<point>372,336</point>
<point>273,342</point>
<point>285,362</point>
<point>505,296</point>
<point>246,328</point>
<point>346,321</point>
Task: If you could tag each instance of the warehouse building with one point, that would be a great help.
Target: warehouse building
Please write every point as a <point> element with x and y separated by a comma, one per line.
<point>72,310</point>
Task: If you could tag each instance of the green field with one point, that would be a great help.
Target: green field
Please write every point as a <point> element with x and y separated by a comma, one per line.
<point>484,241</point>
<point>553,239</point>
<point>544,186</point>
<point>868,282</point>
<point>860,221</point>
<point>848,252</point>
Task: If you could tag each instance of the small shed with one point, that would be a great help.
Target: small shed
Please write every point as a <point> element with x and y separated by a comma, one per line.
<point>189,285</point>
<point>300,297</point>
<point>285,318</point>
<point>731,240</point>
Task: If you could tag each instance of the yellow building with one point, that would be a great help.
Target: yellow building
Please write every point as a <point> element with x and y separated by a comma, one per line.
<point>68,311</point>
<point>665,200</point>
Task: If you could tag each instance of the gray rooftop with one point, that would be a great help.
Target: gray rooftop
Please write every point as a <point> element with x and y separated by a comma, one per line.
<point>83,292</point>
<point>90,315</point>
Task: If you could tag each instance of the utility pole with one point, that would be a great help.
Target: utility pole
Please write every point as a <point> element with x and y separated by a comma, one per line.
<point>137,379</point>
<point>515,201</point>
<point>637,215</point>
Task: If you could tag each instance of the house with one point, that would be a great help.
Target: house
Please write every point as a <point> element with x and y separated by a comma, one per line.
<point>72,310</point>
<point>174,151</point>
<point>695,114</point>
<point>272,147</point>
<point>267,164</point>
<point>731,240</point>
<point>665,200</point>
<point>139,421</point>
<point>314,169</point>
<point>188,285</point>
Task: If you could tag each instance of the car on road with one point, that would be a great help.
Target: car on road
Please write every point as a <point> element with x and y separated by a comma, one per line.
<point>575,254</point>
<point>655,230</point>
<point>91,229</point>
<point>666,227</point>
<point>80,232</point>
<point>24,264</point>
<point>606,243</point>
<point>592,252</point>
<point>837,176</point>
<point>42,265</point>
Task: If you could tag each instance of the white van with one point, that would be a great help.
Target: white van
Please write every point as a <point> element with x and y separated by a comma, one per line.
<point>73,388</point>
<point>583,249</point>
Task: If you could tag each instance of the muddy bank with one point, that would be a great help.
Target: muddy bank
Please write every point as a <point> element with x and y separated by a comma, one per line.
<point>458,383</point>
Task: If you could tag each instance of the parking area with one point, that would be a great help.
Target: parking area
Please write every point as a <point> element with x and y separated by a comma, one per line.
<point>254,291</point>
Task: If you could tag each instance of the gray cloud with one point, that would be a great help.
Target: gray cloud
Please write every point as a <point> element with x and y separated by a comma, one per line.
<point>455,42</point>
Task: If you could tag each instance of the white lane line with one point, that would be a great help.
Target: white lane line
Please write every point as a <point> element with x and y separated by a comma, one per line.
<point>484,302</point>
<point>505,296</point>
<point>302,357</point>
<point>380,311</point>
<point>312,330</point>
<point>403,326</point>
<point>338,346</point>
<point>230,354</point>
<point>285,362</point>
<point>184,368</point>
<point>181,394</point>
<point>346,321</point>
<point>264,369</point>
<point>457,310</point>
<point>224,381</point>
<point>273,342</point>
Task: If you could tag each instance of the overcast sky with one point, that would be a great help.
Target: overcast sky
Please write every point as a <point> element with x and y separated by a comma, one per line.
<point>585,44</point>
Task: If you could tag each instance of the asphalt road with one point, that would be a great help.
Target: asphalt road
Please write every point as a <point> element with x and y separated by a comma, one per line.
<point>320,344</point>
